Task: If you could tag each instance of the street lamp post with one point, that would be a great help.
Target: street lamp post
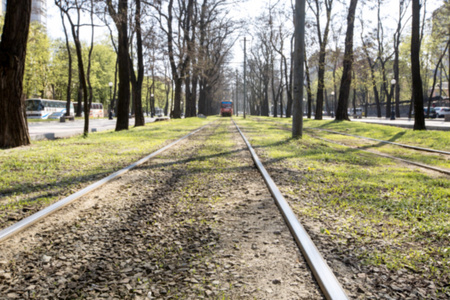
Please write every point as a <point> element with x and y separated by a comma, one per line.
<point>110,101</point>
<point>393,82</point>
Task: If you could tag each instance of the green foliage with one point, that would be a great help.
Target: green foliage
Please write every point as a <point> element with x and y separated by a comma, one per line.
<point>37,61</point>
<point>2,20</point>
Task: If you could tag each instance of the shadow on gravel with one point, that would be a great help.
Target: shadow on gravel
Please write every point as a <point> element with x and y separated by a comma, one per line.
<point>138,248</point>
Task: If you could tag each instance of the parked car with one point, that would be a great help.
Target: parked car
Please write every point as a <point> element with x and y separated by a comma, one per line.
<point>442,111</point>
<point>357,113</point>
<point>432,112</point>
<point>57,114</point>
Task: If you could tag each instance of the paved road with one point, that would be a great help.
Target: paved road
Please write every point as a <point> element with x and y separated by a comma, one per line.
<point>432,124</point>
<point>53,130</point>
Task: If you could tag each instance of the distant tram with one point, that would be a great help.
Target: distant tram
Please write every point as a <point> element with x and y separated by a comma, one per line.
<point>226,108</point>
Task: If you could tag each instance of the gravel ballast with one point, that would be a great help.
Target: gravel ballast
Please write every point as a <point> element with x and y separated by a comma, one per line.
<point>196,222</point>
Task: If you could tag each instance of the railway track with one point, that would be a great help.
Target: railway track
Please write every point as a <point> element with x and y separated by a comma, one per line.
<point>191,222</point>
<point>407,161</point>
<point>418,164</point>
<point>384,142</point>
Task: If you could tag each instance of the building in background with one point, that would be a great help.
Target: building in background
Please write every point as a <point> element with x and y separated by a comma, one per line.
<point>2,7</point>
<point>38,11</point>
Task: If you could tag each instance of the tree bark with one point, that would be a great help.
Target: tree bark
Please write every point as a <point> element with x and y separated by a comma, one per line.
<point>123,102</point>
<point>308,86</point>
<point>346,81</point>
<point>299,57</point>
<point>139,115</point>
<point>13,45</point>
<point>69,77</point>
<point>417,93</point>
<point>323,44</point>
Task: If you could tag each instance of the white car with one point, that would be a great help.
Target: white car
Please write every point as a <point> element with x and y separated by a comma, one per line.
<point>442,111</point>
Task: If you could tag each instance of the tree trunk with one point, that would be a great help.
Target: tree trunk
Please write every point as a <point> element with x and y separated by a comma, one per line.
<point>299,57</point>
<point>139,114</point>
<point>323,44</point>
<point>308,82</point>
<point>69,77</point>
<point>320,87</point>
<point>417,94</point>
<point>123,101</point>
<point>13,46</point>
<point>346,81</point>
<point>375,90</point>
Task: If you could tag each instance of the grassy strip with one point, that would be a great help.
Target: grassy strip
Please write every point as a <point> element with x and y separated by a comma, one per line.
<point>439,140</point>
<point>48,170</point>
<point>383,132</point>
<point>387,213</point>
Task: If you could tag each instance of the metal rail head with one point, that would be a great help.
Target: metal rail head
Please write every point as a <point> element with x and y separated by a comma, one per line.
<point>385,142</point>
<point>328,283</point>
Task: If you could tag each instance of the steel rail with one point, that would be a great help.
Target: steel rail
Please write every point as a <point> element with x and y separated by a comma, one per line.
<point>383,141</point>
<point>447,172</point>
<point>327,281</point>
<point>30,220</point>
<point>444,171</point>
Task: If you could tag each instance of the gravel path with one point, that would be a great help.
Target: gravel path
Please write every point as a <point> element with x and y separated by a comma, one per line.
<point>197,222</point>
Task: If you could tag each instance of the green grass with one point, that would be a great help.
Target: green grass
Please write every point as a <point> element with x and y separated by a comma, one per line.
<point>439,140</point>
<point>396,216</point>
<point>48,170</point>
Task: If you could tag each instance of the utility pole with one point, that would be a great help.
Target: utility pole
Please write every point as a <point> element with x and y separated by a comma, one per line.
<point>237,100</point>
<point>245,68</point>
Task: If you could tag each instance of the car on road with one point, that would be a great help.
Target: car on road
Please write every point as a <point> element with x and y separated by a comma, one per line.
<point>442,111</point>
<point>432,112</point>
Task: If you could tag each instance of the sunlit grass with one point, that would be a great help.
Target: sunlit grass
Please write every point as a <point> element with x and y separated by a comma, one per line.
<point>48,170</point>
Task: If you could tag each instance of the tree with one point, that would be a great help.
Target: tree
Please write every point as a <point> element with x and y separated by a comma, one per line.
<point>403,5</point>
<point>69,77</point>
<point>13,45</point>
<point>299,56</point>
<point>120,18</point>
<point>417,94</point>
<point>178,66</point>
<point>365,47</point>
<point>323,41</point>
<point>66,7</point>
<point>137,81</point>
<point>346,81</point>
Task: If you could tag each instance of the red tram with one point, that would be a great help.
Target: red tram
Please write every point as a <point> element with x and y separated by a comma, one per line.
<point>226,108</point>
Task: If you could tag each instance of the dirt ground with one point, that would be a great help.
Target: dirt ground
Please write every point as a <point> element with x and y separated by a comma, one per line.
<point>190,224</point>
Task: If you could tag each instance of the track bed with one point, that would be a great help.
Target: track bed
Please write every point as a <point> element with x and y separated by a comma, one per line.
<point>196,222</point>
